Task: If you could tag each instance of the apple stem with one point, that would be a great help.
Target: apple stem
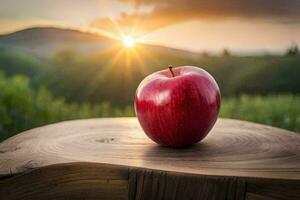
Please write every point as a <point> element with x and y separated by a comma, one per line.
<point>170,68</point>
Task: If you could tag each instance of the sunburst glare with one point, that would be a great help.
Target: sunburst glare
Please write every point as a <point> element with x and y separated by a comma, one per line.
<point>128,41</point>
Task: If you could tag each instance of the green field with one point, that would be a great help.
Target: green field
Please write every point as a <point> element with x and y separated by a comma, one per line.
<point>23,107</point>
<point>276,110</point>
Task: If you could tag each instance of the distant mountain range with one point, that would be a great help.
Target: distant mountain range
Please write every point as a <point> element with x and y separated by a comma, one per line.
<point>44,41</point>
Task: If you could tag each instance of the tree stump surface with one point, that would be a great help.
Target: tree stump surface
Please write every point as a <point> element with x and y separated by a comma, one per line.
<point>112,158</point>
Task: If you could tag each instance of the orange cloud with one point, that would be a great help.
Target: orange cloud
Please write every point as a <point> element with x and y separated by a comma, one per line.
<point>168,12</point>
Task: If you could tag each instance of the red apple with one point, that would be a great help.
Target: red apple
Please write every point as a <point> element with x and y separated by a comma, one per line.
<point>177,106</point>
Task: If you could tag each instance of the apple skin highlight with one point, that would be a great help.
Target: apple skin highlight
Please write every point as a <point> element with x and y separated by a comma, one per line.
<point>178,106</point>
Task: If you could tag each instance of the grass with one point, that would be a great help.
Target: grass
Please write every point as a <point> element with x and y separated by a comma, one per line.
<point>276,110</point>
<point>23,107</point>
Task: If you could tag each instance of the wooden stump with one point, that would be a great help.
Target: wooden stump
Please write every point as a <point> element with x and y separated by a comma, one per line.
<point>113,159</point>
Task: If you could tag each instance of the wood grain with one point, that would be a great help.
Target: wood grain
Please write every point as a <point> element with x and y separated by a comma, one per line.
<point>113,159</point>
<point>159,185</point>
<point>274,189</point>
<point>68,181</point>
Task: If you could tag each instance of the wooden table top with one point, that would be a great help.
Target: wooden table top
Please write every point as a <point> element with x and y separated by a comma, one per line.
<point>232,148</point>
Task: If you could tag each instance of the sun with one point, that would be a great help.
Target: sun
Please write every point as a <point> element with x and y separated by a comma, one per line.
<point>128,41</point>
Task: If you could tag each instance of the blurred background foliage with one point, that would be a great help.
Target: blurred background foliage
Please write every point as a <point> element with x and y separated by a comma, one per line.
<point>70,85</point>
<point>22,107</point>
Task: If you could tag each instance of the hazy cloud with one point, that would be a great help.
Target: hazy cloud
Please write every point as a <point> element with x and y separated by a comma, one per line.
<point>168,12</point>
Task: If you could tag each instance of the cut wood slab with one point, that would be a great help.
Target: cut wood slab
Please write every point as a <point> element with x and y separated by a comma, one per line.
<point>113,159</point>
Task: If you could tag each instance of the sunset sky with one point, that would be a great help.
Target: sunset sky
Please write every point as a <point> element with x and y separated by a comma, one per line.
<point>242,26</point>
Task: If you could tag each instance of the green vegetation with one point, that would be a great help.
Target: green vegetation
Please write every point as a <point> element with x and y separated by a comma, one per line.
<point>280,111</point>
<point>105,77</point>
<point>16,62</point>
<point>255,75</point>
<point>113,75</point>
<point>22,108</point>
<point>69,85</point>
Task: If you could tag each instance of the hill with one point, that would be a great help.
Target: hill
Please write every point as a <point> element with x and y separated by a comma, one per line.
<point>112,73</point>
<point>44,41</point>
<point>114,77</point>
